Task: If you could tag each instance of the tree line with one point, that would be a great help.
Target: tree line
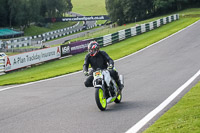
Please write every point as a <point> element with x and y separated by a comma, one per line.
<point>126,11</point>
<point>24,12</point>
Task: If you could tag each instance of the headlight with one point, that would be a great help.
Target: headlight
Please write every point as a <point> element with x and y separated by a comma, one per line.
<point>98,81</point>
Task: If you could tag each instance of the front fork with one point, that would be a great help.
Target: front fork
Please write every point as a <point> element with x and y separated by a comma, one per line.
<point>104,90</point>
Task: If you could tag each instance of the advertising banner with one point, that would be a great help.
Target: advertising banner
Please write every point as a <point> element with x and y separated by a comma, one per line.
<point>78,18</point>
<point>75,47</point>
<point>65,50</point>
<point>26,59</point>
<point>79,47</point>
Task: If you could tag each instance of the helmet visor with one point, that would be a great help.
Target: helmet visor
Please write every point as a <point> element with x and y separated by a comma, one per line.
<point>93,52</point>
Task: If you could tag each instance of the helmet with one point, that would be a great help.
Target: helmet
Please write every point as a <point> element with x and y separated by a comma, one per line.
<point>93,48</point>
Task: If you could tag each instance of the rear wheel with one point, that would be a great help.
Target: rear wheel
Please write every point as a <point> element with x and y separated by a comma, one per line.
<point>119,98</point>
<point>100,99</point>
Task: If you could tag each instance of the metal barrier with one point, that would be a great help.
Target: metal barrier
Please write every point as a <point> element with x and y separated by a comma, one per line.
<point>2,65</point>
<point>78,47</point>
<point>133,31</point>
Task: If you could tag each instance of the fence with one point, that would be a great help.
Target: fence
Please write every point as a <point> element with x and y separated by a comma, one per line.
<point>36,40</point>
<point>133,31</point>
<point>2,65</point>
<point>22,60</point>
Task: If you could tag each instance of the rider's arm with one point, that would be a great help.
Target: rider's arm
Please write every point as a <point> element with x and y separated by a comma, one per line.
<point>108,59</point>
<point>86,63</point>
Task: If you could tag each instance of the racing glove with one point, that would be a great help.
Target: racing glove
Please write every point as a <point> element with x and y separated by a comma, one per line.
<point>86,73</point>
<point>110,67</point>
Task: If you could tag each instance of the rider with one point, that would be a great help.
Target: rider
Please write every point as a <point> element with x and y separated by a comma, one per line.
<point>99,59</point>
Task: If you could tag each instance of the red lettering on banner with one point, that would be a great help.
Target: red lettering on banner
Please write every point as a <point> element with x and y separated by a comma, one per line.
<point>58,50</point>
<point>8,62</point>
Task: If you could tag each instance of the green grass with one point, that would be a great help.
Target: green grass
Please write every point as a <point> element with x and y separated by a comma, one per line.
<point>189,12</point>
<point>36,30</point>
<point>11,53</point>
<point>74,63</point>
<point>89,7</point>
<point>184,117</point>
<point>110,30</point>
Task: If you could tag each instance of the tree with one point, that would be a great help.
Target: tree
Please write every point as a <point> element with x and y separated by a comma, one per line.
<point>3,13</point>
<point>24,12</point>
<point>115,11</point>
<point>12,9</point>
<point>129,10</point>
<point>55,8</point>
<point>34,13</point>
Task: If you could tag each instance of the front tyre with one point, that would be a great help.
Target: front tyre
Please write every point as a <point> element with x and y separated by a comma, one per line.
<point>119,98</point>
<point>100,100</point>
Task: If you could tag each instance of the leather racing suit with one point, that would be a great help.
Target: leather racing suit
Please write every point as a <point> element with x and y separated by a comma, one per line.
<point>100,60</point>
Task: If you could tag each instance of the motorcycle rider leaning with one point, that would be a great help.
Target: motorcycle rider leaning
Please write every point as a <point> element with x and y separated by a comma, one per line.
<point>99,59</point>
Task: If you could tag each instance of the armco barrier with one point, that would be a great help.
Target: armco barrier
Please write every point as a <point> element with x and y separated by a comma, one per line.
<point>147,26</point>
<point>81,46</point>
<point>128,33</point>
<point>2,65</point>
<point>28,41</point>
<point>22,60</point>
<point>133,31</point>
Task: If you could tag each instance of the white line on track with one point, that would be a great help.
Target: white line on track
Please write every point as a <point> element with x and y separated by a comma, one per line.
<point>17,86</point>
<point>153,113</point>
<point>135,128</point>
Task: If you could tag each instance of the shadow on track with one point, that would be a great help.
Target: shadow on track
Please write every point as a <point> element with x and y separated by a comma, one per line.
<point>126,105</point>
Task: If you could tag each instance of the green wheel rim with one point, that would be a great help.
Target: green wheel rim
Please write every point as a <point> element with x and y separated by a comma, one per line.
<point>119,97</point>
<point>102,99</point>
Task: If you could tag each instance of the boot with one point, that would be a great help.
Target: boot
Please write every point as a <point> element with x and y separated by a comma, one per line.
<point>121,86</point>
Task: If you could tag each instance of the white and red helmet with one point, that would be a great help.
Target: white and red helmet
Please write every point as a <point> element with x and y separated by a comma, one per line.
<point>93,48</point>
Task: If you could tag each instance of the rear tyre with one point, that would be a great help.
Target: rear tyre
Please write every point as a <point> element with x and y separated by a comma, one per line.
<point>100,100</point>
<point>119,98</point>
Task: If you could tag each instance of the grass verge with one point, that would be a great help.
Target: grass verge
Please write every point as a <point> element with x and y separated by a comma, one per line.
<point>109,30</point>
<point>89,7</point>
<point>74,63</point>
<point>184,117</point>
<point>36,30</point>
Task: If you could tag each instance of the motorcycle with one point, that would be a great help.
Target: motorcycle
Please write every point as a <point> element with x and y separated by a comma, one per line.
<point>106,89</point>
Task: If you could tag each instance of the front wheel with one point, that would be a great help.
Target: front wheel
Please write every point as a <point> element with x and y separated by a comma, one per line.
<point>100,99</point>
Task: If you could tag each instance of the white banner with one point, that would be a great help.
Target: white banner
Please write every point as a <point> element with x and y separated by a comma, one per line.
<point>30,58</point>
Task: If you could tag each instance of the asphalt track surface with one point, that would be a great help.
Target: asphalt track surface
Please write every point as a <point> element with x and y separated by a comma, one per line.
<point>64,105</point>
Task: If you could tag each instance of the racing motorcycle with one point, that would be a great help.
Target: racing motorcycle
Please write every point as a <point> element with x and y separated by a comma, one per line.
<point>106,89</point>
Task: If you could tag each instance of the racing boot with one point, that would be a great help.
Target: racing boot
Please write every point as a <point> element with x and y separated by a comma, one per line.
<point>121,86</point>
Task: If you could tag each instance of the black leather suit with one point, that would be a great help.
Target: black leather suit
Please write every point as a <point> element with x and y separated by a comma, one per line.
<point>100,60</point>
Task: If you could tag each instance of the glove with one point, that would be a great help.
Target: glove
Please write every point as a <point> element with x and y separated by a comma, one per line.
<point>86,73</point>
<point>110,67</point>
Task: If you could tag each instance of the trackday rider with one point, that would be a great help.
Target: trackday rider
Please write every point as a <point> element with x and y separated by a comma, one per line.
<point>99,59</point>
